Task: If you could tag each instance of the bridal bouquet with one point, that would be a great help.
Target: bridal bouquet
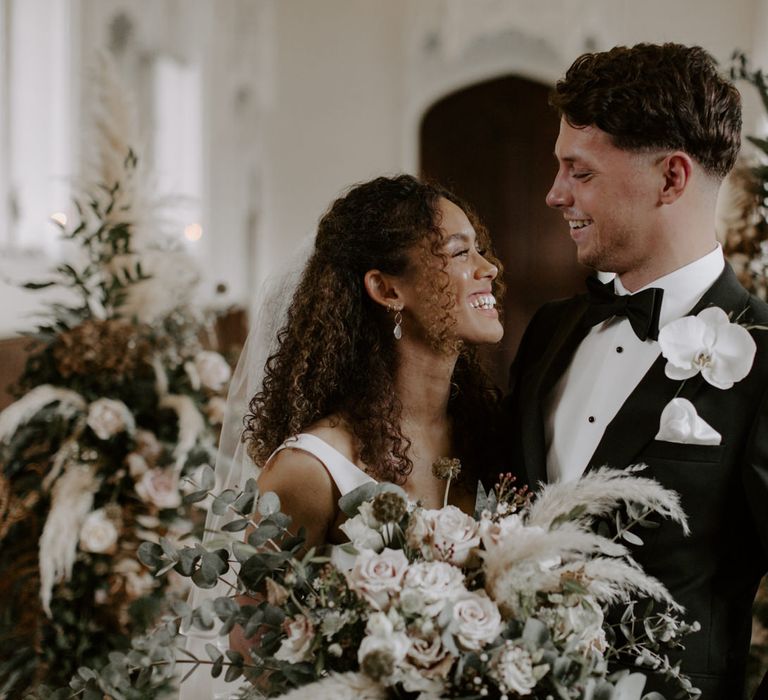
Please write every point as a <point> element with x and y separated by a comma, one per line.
<point>510,602</point>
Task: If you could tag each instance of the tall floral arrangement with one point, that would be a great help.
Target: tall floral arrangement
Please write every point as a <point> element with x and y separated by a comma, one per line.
<point>745,234</point>
<point>119,401</point>
<point>744,214</point>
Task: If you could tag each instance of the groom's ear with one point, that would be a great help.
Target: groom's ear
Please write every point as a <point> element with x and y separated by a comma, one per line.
<point>382,288</point>
<point>677,169</point>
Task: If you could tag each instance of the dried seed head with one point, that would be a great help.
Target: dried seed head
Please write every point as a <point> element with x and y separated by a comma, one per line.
<point>446,468</point>
<point>389,507</point>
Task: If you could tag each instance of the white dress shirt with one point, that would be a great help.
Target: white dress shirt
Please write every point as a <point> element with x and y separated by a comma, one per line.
<point>608,365</point>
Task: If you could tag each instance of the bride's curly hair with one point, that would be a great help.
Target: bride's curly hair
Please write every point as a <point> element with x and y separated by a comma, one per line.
<point>336,352</point>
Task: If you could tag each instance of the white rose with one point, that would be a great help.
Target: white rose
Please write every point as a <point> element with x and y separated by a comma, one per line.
<point>138,581</point>
<point>108,417</point>
<point>476,621</point>
<point>378,577</point>
<point>494,532</point>
<point>429,654</point>
<point>147,445</point>
<point>297,646</point>
<point>418,535</point>
<point>379,625</point>
<point>137,465</point>
<point>361,535</point>
<point>215,410</point>
<point>160,488</point>
<point>582,626</point>
<point>213,370</point>
<point>98,533</point>
<point>454,534</point>
<point>513,669</point>
<point>436,583</point>
<point>382,637</point>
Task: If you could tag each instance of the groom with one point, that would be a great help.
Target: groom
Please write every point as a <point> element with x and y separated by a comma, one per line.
<point>647,134</point>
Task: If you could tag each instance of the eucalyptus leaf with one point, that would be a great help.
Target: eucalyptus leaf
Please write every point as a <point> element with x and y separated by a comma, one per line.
<point>350,502</point>
<point>481,500</point>
<point>254,622</point>
<point>195,496</point>
<point>236,525</point>
<point>632,538</point>
<point>187,563</point>
<point>224,607</point>
<point>203,617</point>
<point>282,520</point>
<point>223,501</point>
<point>244,503</point>
<point>535,631</point>
<point>243,551</point>
<point>266,531</point>
<point>181,608</point>
<point>268,504</point>
<point>213,652</point>
<point>211,567</point>
<point>233,673</point>
<point>207,478</point>
<point>151,555</point>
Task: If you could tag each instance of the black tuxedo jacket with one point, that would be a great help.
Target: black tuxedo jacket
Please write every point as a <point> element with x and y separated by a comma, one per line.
<point>716,570</point>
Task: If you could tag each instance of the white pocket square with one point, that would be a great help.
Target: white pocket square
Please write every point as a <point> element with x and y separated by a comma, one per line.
<point>680,423</point>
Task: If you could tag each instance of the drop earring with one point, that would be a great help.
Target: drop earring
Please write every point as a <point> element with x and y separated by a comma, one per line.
<point>398,329</point>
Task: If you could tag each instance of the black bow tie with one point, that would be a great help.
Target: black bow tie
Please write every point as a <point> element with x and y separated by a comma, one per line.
<point>642,309</point>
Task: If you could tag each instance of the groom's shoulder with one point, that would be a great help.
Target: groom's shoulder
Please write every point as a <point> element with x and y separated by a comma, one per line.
<point>755,318</point>
<point>757,310</point>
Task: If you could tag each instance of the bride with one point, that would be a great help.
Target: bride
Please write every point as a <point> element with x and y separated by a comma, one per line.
<point>375,375</point>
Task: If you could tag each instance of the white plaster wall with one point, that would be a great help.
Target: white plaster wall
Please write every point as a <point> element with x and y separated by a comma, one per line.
<point>334,119</point>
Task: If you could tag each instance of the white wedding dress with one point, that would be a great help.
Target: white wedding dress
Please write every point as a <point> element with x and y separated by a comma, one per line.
<point>347,476</point>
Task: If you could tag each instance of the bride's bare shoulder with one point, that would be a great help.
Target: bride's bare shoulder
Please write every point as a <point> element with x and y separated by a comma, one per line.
<point>335,431</point>
<point>306,491</point>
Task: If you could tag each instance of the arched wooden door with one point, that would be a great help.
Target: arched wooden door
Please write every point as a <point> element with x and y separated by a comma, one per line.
<point>492,144</point>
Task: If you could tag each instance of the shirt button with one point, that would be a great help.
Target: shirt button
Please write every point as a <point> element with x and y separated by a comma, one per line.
<point>591,419</point>
<point>619,349</point>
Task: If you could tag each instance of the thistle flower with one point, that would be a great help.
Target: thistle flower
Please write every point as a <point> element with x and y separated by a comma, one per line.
<point>446,468</point>
<point>389,507</point>
<point>378,664</point>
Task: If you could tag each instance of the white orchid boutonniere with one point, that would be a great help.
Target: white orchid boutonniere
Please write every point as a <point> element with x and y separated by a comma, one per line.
<point>710,343</point>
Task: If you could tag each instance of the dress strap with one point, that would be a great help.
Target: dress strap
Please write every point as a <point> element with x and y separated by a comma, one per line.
<point>346,474</point>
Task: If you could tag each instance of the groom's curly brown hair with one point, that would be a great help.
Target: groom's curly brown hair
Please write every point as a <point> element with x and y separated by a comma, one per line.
<point>336,353</point>
<point>656,96</point>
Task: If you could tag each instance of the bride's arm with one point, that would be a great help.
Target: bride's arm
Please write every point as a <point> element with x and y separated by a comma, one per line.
<point>307,494</point>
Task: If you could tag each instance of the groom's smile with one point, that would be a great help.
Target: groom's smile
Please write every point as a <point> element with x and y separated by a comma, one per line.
<point>607,196</point>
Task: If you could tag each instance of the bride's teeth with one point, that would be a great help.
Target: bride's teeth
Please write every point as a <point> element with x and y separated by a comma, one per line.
<point>579,223</point>
<point>483,302</point>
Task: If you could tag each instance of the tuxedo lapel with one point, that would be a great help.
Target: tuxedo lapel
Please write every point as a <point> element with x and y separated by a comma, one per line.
<point>637,422</point>
<point>541,380</point>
